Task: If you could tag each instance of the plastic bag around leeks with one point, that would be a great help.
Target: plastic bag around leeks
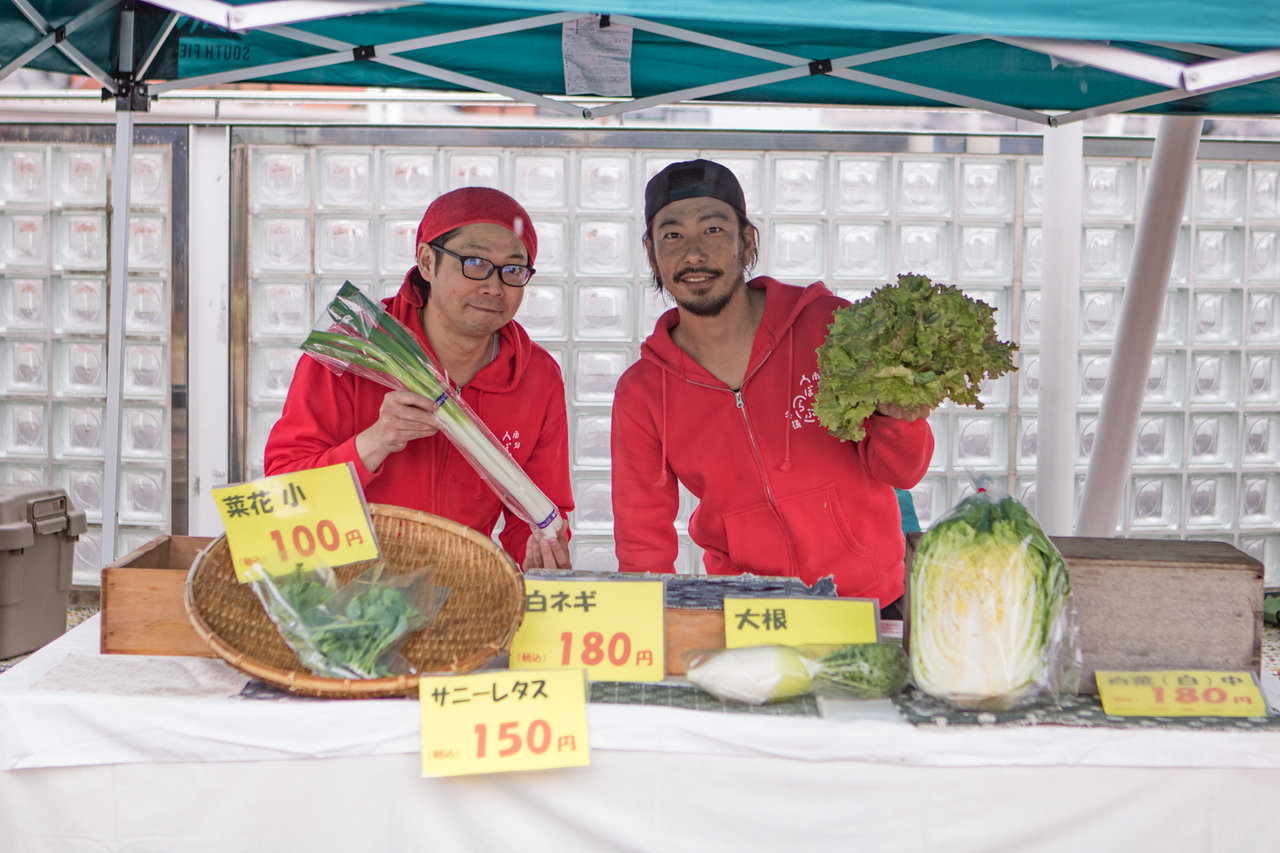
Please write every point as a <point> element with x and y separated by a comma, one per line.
<point>357,334</point>
<point>992,618</point>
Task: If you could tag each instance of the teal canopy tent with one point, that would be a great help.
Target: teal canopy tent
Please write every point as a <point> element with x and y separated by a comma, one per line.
<point>1028,59</point>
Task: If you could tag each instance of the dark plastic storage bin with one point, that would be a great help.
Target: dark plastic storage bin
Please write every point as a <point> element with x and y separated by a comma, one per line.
<point>38,532</point>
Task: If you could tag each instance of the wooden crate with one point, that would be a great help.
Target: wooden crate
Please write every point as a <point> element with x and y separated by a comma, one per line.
<point>1162,604</point>
<point>142,600</point>
<point>1159,604</point>
<point>689,630</point>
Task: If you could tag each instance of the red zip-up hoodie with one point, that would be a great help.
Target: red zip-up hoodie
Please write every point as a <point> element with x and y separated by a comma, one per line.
<point>519,396</point>
<point>778,494</point>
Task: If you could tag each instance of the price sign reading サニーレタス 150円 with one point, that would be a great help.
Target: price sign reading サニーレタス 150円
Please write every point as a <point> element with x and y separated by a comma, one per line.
<point>498,721</point>
<point>296,521</point>
<point>1184,693</point>
<point>613,628</point>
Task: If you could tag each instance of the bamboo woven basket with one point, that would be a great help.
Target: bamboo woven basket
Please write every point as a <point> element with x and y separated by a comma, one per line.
<point>483,611</point>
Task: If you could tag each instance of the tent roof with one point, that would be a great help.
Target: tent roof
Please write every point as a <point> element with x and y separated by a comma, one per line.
<point>1038,60</point>
<point>1095,20</point>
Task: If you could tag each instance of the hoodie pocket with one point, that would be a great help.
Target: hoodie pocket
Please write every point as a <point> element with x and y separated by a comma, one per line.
<point>806,536</point>
<point>816,521</point>
<point>757,542</point>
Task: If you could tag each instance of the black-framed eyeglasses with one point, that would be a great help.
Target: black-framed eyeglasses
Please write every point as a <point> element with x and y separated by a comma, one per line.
<point>478,269</point>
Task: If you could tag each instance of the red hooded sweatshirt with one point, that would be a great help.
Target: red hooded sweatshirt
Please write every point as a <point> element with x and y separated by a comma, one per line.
<point>519,396</point>
<point>778,494</point>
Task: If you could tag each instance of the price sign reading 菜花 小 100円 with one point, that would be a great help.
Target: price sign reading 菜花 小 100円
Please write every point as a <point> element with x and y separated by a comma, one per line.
<point>1189,693</point>
<point>613,628</point>
<point>799,621</point>
<point>498,721</point>
<point>296,521</point>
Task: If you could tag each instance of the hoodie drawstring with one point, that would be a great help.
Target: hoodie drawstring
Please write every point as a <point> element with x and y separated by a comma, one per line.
<point>786,431</point>
<point>662,456</point>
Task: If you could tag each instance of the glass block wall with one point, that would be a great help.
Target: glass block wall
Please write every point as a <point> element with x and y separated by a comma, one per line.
<point>54,257</point>
<point>850,210</point>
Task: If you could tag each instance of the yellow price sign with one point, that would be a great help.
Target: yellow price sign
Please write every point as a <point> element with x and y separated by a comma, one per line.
<point>499,721</point>
<point>296,521</point>
<point>613,628</point>
<point>800,621</point>
<point>1180,693</point>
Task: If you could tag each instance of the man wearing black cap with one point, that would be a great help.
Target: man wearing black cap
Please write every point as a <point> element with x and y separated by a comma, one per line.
<point>722,401</point>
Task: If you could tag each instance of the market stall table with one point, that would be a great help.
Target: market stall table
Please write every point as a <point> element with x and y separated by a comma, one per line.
<point>171,754</point>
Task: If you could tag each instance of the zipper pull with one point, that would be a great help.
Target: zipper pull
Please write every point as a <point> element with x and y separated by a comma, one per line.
<point>737,395</point>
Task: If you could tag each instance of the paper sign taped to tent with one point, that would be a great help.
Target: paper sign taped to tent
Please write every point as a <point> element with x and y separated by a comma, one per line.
<point>597,58</point>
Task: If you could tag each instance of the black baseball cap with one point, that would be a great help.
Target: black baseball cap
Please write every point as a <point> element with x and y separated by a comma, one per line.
<point>692,179</point>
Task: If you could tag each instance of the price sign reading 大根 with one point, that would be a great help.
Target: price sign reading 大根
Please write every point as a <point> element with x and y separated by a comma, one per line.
<point>616,629</point>
<point>296,521</point>
<point>499,721</point>
<point>799,621</point>
<point>1189,693</point>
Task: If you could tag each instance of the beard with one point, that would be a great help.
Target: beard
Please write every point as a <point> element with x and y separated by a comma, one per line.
<point>711,304</point>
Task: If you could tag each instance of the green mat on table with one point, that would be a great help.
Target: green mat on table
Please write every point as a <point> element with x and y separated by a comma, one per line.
<point>679,696</point>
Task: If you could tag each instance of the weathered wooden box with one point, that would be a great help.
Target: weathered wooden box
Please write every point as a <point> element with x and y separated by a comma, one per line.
<point>1162,604</point>
<point>142,600</point>
<point>1158,604</point>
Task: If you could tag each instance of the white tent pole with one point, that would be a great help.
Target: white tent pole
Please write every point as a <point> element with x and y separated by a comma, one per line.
<point>1059,307</point>
<point>263,14</point>
<point>1118,60</point>
<point>117,291</point>
<point>1168,183</point>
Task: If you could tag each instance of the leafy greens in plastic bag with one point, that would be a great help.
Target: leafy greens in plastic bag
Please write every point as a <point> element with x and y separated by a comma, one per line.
<point>352,631</point>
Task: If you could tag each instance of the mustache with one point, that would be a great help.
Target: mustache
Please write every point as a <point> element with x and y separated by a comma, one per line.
<point>712,271</point>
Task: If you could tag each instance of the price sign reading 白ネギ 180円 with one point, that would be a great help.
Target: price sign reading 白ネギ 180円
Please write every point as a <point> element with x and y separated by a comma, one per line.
<point>799,621</point>
<point>300,520</point>
<point>613,628</point>
<point>498,721</point>
<point>1190,693</point>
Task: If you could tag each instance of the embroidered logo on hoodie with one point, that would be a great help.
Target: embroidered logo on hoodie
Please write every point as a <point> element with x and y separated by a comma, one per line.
<point>801,411</point>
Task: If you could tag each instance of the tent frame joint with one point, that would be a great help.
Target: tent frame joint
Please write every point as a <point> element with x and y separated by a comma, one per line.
<point>130,96</point>
<point>819,66</point>
<point>364,52</point>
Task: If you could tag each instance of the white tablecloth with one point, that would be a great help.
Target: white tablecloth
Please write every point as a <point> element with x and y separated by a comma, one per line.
<point>91,769</point>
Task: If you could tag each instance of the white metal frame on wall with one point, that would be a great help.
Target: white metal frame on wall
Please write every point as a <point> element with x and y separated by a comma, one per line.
<point>167,203</point>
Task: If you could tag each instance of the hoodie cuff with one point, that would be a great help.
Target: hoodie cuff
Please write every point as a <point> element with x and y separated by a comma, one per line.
<point>346,452</point>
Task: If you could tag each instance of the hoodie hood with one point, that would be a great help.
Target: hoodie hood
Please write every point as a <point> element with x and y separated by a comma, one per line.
<point>499,376</point>
<point>783,305</point>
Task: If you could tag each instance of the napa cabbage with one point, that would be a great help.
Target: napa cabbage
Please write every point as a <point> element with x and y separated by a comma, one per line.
<point>992,621</point>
